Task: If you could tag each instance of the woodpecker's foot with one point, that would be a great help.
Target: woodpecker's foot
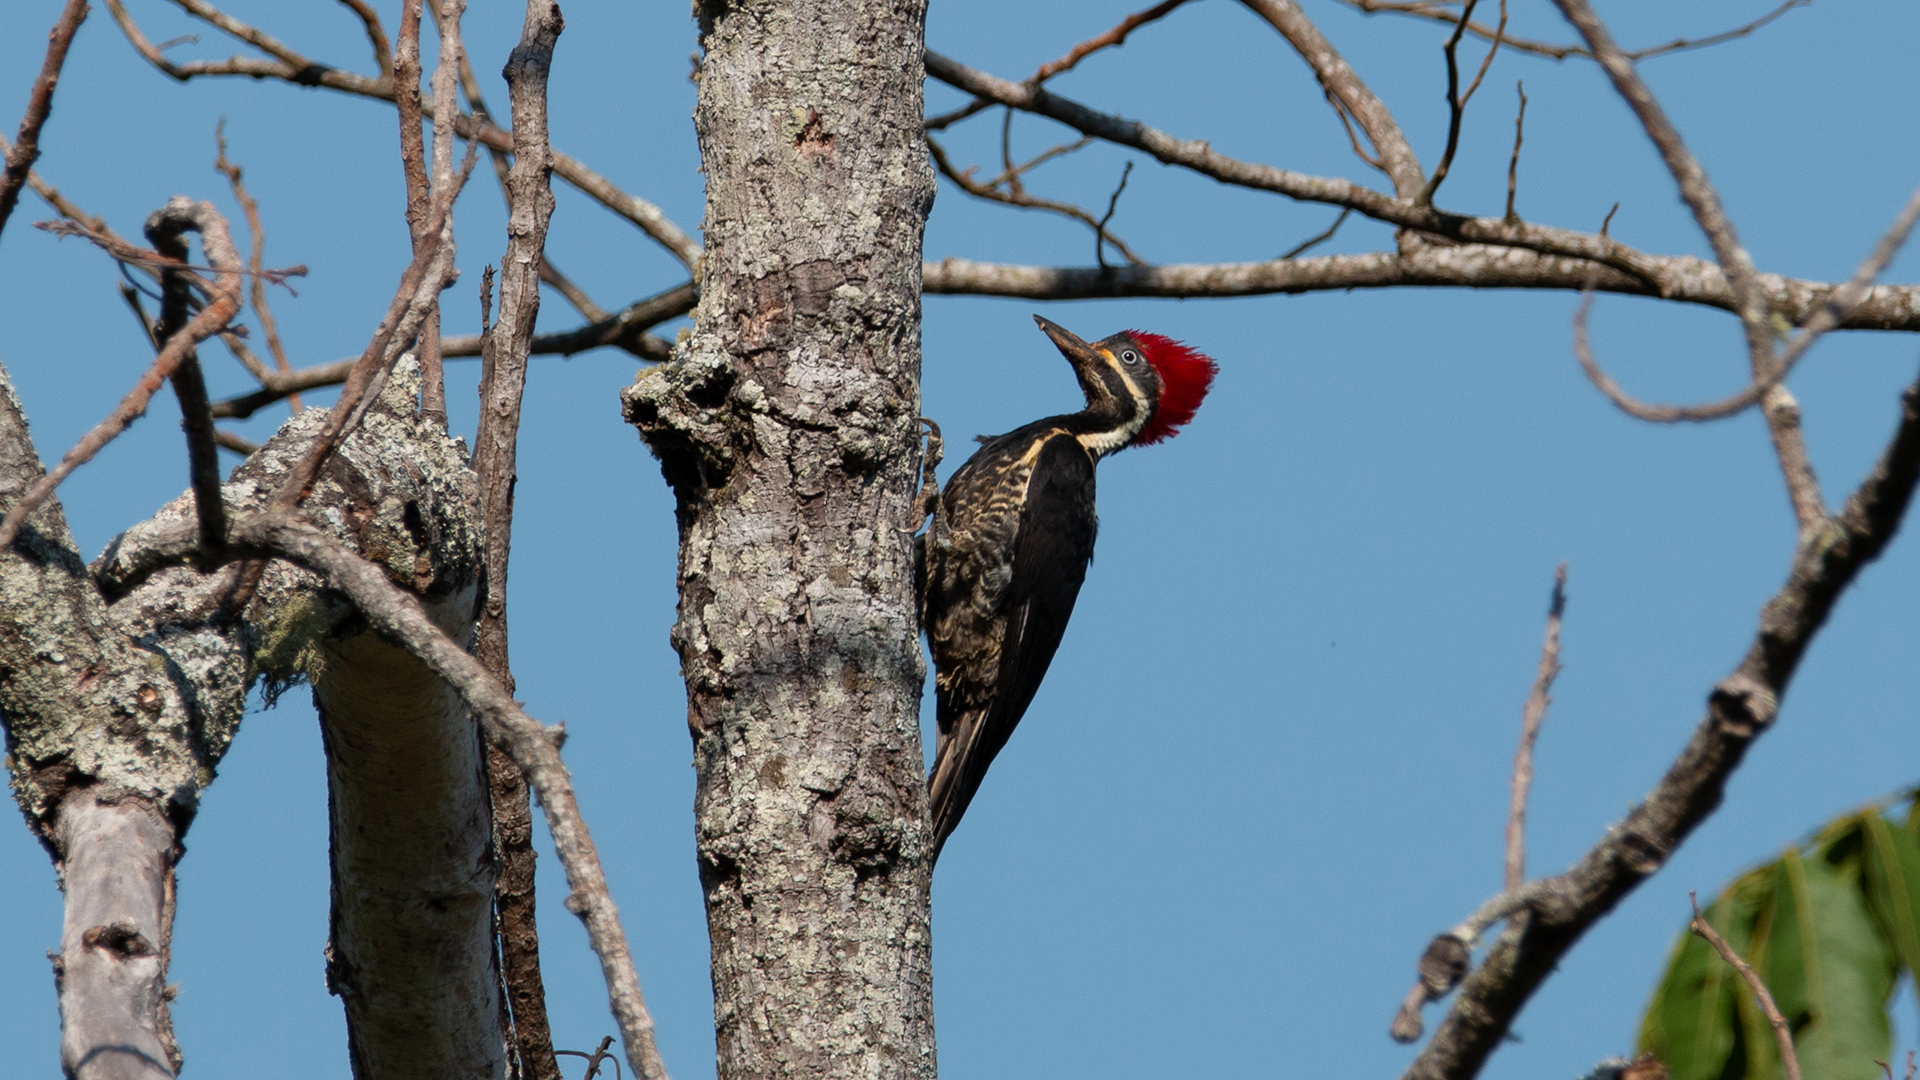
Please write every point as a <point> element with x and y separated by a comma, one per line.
<point>928,500</point>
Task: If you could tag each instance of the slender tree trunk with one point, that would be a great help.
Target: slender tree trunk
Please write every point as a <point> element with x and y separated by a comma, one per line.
<point>787,428</point>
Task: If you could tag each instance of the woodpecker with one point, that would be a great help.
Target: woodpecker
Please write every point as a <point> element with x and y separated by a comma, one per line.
<point>1011,537</point>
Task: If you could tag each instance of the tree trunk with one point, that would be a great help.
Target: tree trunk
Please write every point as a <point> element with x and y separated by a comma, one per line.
<point>116,715</point>
<point>787,428</point>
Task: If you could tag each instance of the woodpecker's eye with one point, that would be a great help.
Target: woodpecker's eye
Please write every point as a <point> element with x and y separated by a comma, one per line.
<point>1129,357</point>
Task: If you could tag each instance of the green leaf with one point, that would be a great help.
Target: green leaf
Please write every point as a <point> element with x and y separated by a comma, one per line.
<point>1830,970</point>
<point>1692,1024</point>
<point>1892,858</point>
<point>1828,927</point>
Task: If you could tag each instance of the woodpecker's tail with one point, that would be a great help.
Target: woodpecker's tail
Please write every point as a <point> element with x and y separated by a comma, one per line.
<point>959,765</point>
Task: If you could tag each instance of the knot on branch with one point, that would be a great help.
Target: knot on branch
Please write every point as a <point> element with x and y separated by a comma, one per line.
<point>1743,706</point>
<point>1446,961</point>
<point>683,413</point>
<point>120,937</point>
<point>1443,965</point>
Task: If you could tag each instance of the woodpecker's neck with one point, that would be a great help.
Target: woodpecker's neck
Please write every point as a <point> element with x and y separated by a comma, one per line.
<point>1109,425</point>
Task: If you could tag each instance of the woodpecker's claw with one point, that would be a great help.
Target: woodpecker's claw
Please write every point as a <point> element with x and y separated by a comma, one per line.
<point>927,502</point>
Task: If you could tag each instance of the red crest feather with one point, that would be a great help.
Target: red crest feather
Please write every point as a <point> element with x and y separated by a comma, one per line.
<point>1185,376</point>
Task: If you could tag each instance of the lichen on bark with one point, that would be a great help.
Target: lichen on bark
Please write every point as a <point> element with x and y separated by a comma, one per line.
<point>786,425</point>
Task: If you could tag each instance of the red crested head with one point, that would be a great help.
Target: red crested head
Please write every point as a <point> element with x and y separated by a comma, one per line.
<point>1185,376</point>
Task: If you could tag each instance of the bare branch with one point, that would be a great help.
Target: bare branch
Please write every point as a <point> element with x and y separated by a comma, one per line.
<point>1513,164</point>
<point>26,145</point>
<point>1344,88</point>
<point>1530,720</point>
<point>294,68</point>
<point>1111,39</point>
<point>258,237</point>
<point>1319,238</point>
<point>502,384</point>
<point>1742,706</point>
<point>1782,412</point>
<point>1683,279</point>
<point>1435,10</point>
<point>1782,1033</point>
<point>1203,159</point>
<point>164,231</point>
<point>211,319</point>
<point>1457,101</point>
<point>1018,197</point>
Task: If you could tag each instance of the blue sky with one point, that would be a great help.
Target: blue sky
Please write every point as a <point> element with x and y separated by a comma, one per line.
<point>1271,758</point>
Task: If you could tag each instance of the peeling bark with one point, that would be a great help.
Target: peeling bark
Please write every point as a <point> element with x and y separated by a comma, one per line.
<point>786,426</point>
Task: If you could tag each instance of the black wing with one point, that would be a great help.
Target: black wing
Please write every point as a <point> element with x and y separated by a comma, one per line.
<point>1051,553</point>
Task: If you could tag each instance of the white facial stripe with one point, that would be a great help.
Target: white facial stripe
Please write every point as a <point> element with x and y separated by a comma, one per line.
<point>1106,442</point>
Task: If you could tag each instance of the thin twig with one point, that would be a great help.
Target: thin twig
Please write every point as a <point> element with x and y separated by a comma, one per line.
<point>1513,164</point>
<point>1319,238</point>
<point>1782,1032</point>
<point>625,329</point>
<point>289,66</point>
<point>1530,720</point>
<point>26,145</point>
<point>257,235</point>
<point>210,320</point>
<point>1840,303</point>
<point>600,1057</point>
<point>1457,101</point>
<point>1051,152</point>
<point>1100,227</point>
<point>1111,39</point>
<point>376,34</point>
<point>1019,198</point>
<point>1436,11</point>
<point>124,251</point>
<point>229,441</point>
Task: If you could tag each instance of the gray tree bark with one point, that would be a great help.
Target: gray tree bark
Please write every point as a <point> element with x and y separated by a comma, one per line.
<point>119,702</point>
<point>787,428</point>
<point>115,719</point>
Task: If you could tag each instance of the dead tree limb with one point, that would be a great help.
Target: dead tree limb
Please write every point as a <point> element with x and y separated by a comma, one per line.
<point>503,379</point>
<point>26,144</point>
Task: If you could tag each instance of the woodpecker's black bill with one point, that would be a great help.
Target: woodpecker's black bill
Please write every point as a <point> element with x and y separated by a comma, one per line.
<point>1078,353</point>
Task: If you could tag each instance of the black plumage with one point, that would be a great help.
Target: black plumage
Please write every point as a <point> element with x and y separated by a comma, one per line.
<point>1012,534</point>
